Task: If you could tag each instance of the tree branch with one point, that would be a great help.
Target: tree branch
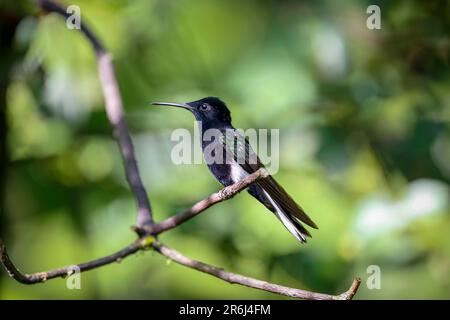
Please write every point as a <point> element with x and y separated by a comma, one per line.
<point>148,242</point>
<point>145,227</point>
<point>115,113</point>
<point>224,194</point>
<point>234,278</point>
<point>67,270</point>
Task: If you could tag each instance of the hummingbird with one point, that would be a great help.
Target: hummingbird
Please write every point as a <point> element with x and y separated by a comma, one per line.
<point>212,114</point>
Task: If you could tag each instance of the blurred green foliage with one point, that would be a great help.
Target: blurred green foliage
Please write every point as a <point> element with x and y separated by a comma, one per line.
<point>365,144</point>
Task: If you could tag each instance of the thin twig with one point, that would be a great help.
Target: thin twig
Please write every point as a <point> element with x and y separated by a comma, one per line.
<point>350,293</point>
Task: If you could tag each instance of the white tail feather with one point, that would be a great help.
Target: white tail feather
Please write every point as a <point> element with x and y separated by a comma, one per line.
<point>286,220</point>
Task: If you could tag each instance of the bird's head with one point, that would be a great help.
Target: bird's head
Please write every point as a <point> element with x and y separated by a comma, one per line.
<point>207,110</point>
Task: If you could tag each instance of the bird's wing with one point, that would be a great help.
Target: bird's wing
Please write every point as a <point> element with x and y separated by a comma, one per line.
<point>238,149</point>
<point>236,145</point>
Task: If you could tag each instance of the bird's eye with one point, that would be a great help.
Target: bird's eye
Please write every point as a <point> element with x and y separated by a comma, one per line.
<point>204,107</point>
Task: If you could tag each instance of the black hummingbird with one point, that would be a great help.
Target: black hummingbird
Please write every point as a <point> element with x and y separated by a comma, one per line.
<point>212,113</point>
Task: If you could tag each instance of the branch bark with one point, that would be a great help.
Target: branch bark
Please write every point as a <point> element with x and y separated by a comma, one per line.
<point>145,227</point>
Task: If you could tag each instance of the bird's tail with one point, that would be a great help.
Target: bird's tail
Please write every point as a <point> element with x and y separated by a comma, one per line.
<point>286,209</point>
<point>289,221</point>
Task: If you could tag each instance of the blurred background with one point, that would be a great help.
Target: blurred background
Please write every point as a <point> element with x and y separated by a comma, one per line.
<point>364,144</point>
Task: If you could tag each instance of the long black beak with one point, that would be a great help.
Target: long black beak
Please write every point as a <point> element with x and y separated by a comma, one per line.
<point>173,104</point>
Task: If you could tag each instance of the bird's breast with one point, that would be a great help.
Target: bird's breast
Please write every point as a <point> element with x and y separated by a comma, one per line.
<point>237,173</point>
